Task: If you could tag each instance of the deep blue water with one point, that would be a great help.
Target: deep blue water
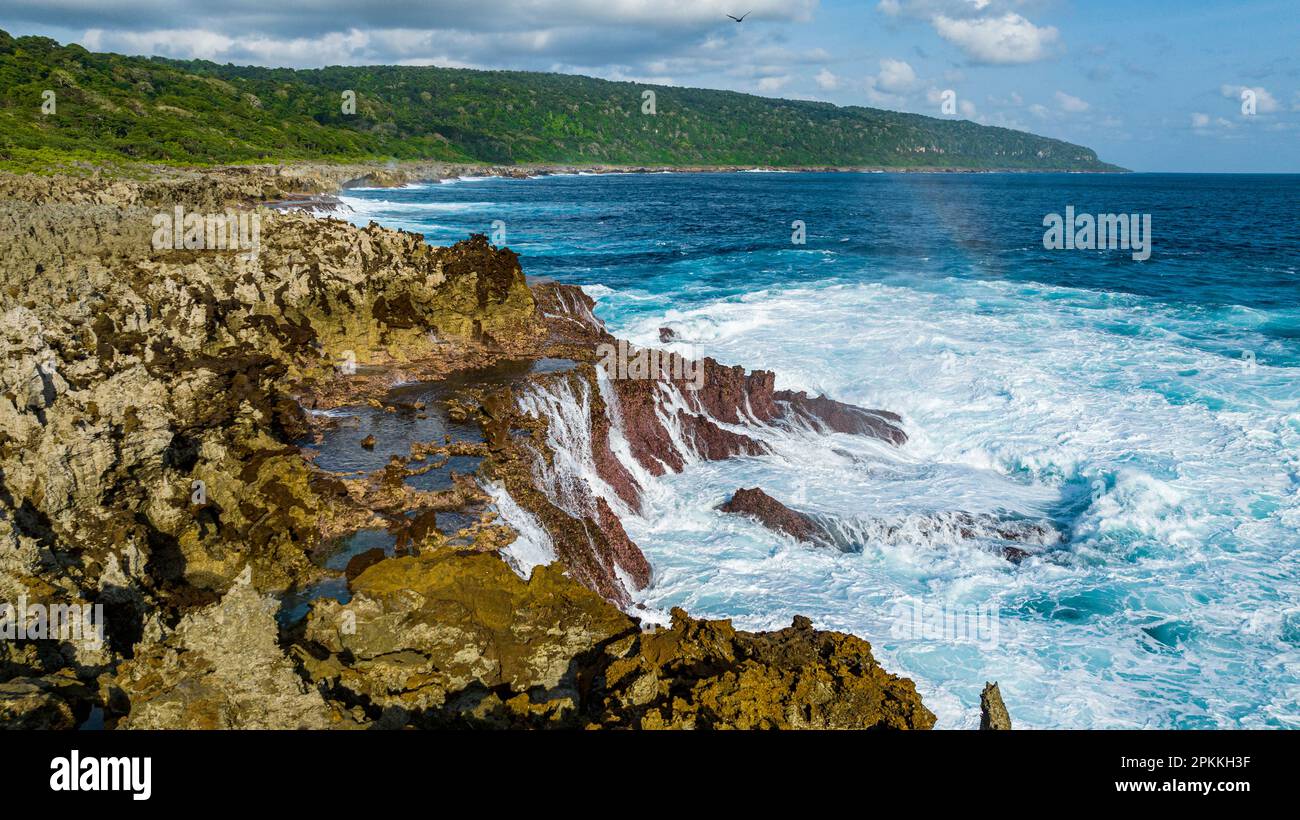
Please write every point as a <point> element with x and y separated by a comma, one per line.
<point>1149,409</point>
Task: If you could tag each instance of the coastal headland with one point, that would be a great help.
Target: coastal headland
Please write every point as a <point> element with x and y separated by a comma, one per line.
<point>165,420</point>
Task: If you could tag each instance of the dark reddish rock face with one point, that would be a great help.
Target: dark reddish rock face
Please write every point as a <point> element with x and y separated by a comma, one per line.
<point>608,466</point>
<point>639,405</point>
<point>626,555</point>
<point>667,418</point>
<point>772,514</point>
<point>828,414</point>
<point>362,561</point>
<point>1014,554</point>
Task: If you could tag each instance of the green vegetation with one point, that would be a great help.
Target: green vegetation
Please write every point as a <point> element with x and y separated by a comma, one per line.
<point>118,110</point>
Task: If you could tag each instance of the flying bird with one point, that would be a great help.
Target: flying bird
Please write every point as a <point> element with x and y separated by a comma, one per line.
<point>742,17</point>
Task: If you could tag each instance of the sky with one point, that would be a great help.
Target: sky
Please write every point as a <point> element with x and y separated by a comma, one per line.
<point>1151,85</point>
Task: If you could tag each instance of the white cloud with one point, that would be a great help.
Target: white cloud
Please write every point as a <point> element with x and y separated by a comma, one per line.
<point>896,76</point>
<point>1200,120</point>
<point>1265,103</point>
<point>1003,40</point>
<point>894,85</point>
<point>1071,104</point>
<point>606,38</point>
<point>826,80</point>
<point>770,84</point>
<point>310,17</point>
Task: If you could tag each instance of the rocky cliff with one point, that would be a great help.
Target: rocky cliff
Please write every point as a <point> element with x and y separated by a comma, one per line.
<point>161,411</point>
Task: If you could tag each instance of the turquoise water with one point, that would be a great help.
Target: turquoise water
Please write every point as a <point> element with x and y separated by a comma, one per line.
<point>1149,409</point>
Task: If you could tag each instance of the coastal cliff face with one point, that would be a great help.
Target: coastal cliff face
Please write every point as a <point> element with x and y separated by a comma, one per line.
<point>159,410</point>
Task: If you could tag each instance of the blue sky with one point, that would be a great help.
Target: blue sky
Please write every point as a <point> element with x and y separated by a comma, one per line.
<point>1153,85</point>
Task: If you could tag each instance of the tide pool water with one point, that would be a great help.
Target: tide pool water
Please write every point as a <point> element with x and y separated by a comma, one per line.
<point>1149,409</point>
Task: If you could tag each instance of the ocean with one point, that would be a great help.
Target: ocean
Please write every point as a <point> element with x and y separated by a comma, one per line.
<point>1150,410</point>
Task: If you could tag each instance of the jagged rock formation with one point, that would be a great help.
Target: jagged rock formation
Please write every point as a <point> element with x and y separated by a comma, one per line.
<point>57,701</point>
<point>705,674</point>
<point>220,668</point>
<point>993,713</point>
<point>849,534</point>
<point>154,404</point>
<point>438,640</point>
<point>214,189</point>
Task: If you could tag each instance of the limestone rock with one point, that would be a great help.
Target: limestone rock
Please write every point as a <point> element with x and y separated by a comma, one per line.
<point>222,668</point>
<point>707,675</point>
<point>993,713</point>
<point>56,701</point>
<point>457,638</point>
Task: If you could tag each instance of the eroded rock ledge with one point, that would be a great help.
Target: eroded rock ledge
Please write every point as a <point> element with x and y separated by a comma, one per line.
<point>443,639</point>
<point>156,417</point>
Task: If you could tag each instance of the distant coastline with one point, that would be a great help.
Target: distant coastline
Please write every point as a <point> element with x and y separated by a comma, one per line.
<point>195,111</point>
<point>395,175</point>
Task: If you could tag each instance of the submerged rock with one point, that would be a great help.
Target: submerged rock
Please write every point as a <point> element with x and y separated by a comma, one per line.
<point>823,413</point>
<point>771,513</point>
<point>940,529</point>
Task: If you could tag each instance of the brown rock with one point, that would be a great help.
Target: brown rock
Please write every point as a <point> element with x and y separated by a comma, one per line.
<point>221,668</point>
<point>707,675</point>
<point>771,513</point>
<point>993,713</point>
<point>360,562</point>
<point>458,639</point>
<point>57,701</point>
<point>828,414</point>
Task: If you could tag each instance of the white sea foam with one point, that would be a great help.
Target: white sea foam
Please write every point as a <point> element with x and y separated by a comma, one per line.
<point>1171,469</point>
<point>1174,489</point>
<point>384,206</point>
<point>533,547</point>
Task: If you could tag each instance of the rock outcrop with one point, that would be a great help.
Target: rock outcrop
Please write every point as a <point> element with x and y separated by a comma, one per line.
<point>705,675</point>
<point>157,410</point>
<point>442,640</point>
<point>220,668</point>
<point>771,513</point>
<point>993,713</point>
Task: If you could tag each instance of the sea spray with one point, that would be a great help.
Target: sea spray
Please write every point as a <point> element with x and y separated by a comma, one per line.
<point>532,547</point>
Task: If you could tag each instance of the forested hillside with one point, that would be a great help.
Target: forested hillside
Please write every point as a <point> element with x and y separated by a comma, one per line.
<point>111,108</point>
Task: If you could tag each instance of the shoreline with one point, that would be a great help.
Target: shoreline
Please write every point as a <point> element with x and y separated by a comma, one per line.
<point>405,174</point>
<point>170,395</point>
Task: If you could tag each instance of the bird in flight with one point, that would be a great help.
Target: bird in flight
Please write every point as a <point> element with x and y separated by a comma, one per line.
<point>742,17</point>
